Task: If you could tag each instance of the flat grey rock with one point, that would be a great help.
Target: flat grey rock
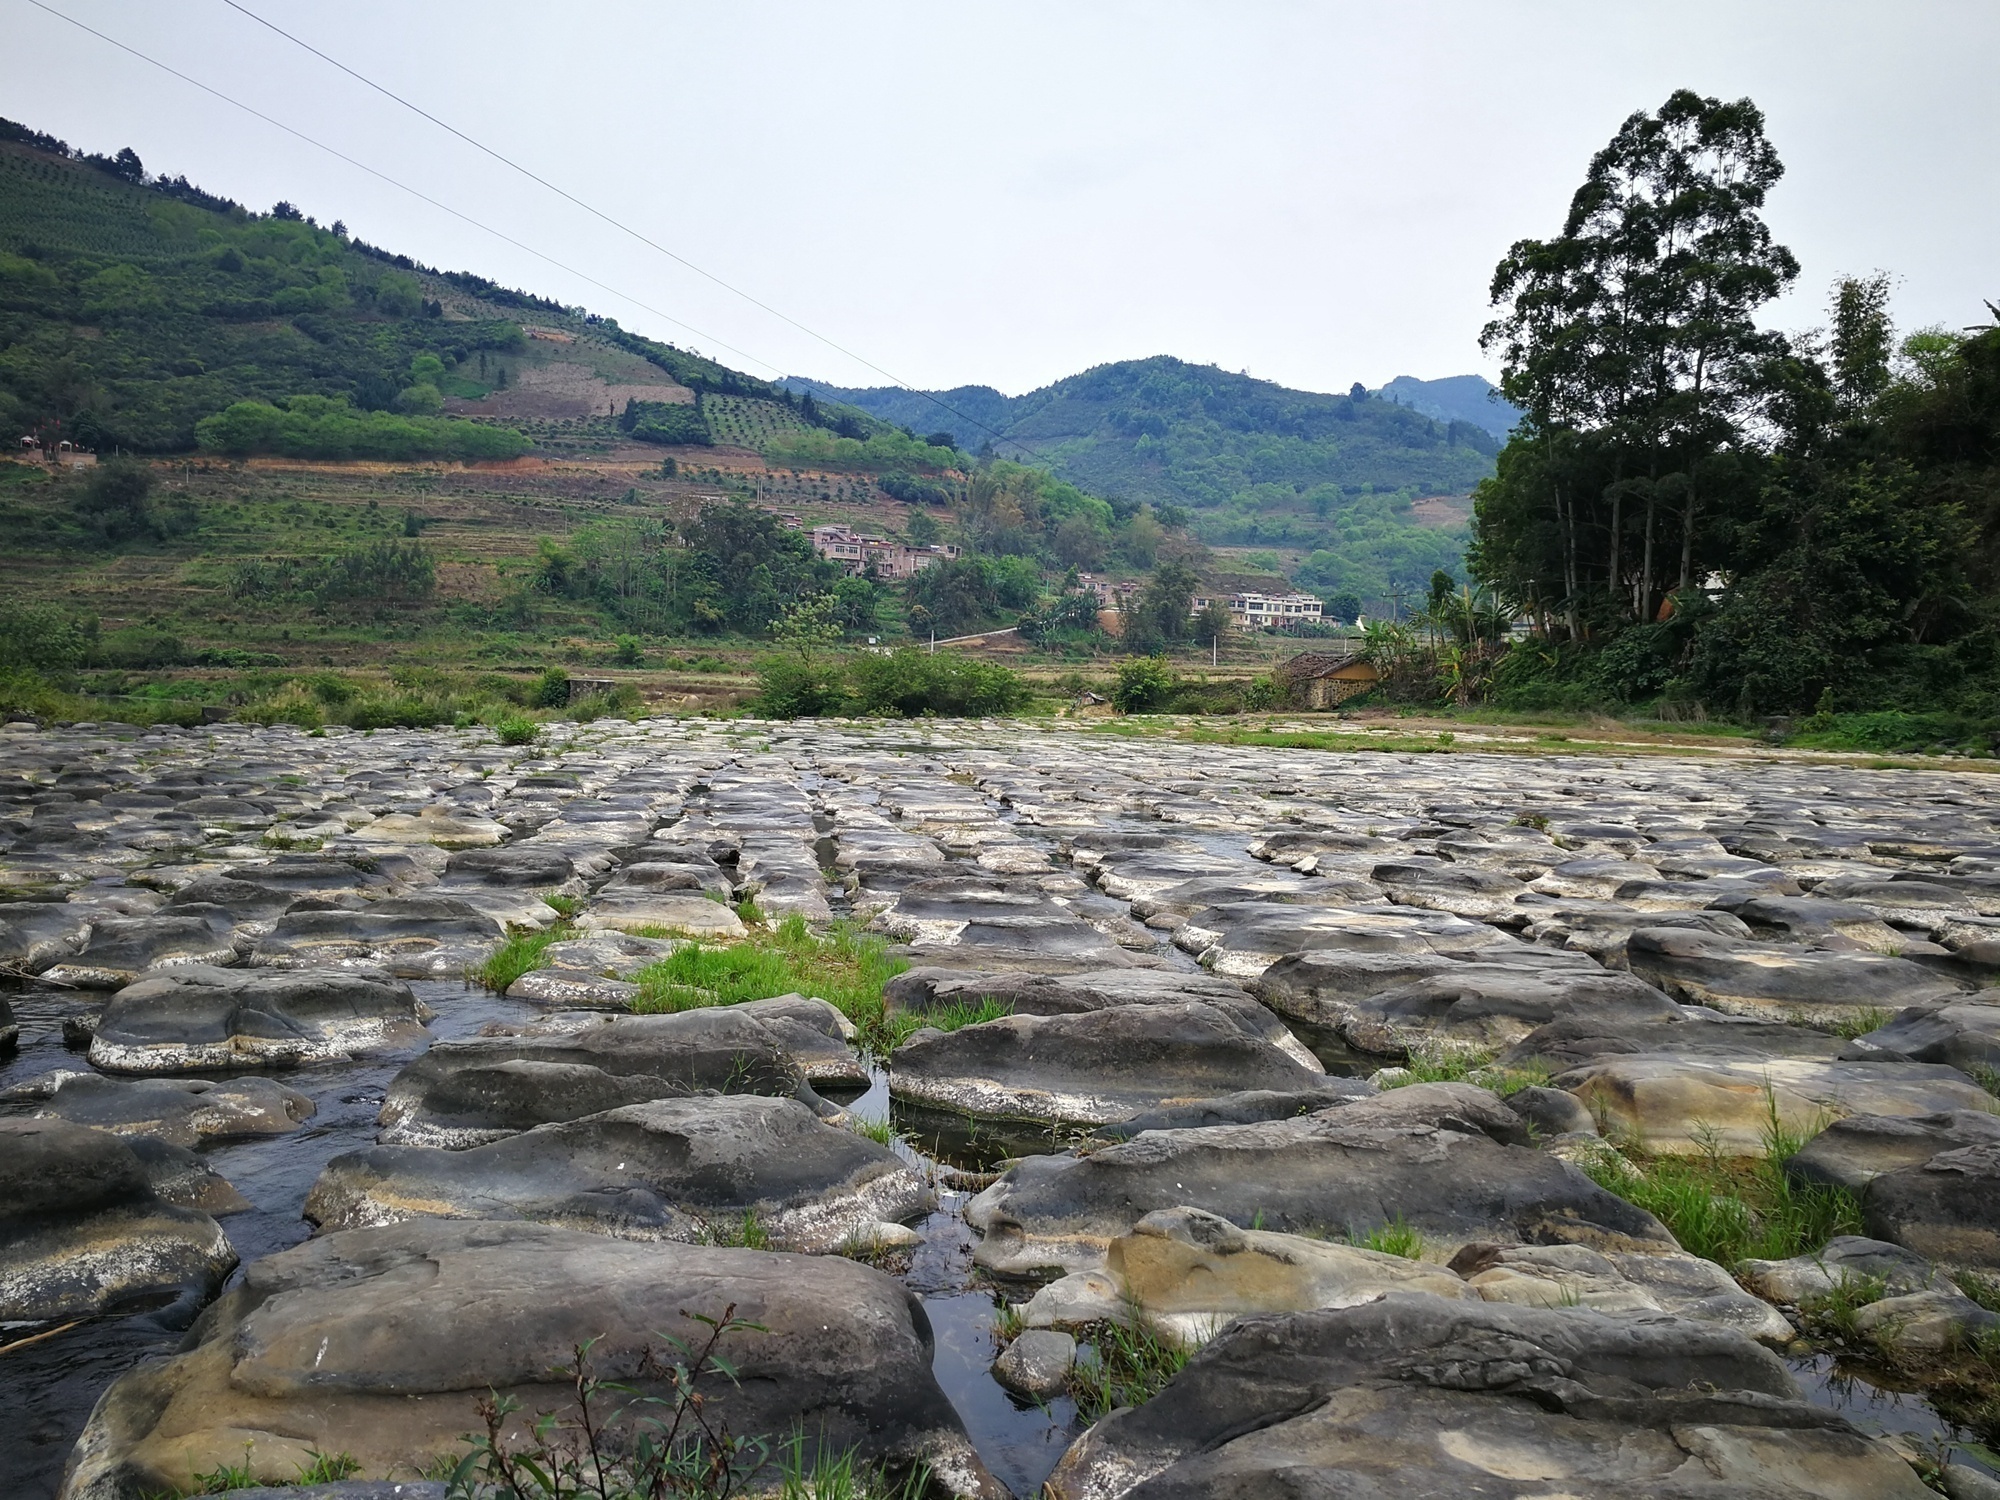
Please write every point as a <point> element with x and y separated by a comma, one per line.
<point>196,1019</point>
<point>1443,1158</point>
<point>83,1230</point>
<point>324,1348</point>
<point>1422,1398</point>
<point>685,1169</point>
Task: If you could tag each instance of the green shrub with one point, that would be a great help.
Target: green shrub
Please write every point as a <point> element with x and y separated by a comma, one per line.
<point>327,427</point>
<point>43,637</point>
<point>516,729</point>
<point>795,687</point>
<point>1144,685</point>
<point>552,688</point>
<point>911,683</point>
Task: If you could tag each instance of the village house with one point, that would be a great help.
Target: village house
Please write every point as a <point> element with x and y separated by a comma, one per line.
<point>859,553</point>
<point>1325,679</point>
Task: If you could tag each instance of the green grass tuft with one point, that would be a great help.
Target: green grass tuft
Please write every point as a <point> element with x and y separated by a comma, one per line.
<point>1397,1237</point>
<point>520,954</point>
<point>1133,1365</point>
<point>843,966</point>
<point>1731,1208</point>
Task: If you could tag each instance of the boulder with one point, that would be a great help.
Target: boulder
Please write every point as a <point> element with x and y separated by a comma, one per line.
<point>1443,1158</point>
<point>1603,929</point>
<point>637,908</point>
<point>1697,1105</point>
<point>1255,884</point>
<point>195,1019</point>
<point>1780,982</point>
<point>1244,1108</point>
<point>380,1343</point>
<point>1244,938</point>
<point>1924,1323</point>
<point>479,1089</point>
<point>410,937</point>
<point>1428,1399</point>
<point>121,949</point>
<point>181,1111</point>
<point>35,934</point>
<point>83,1230</point>
<point>1847,1257</point>
<point>1930,907</point>
<point>1693,1031</point>
<point>184,1178</point>
<point>1037,1363</point>
<point>1488,1006</point>
<point>970,915</point>
<point>1947,1209</point>
<point>536,866</point>
<point>1853,1152</point>
<point>1095,1068</point>
<point>1185,1274</point>
<point>1964,1034</point>
<point>1619,1281</point>
<point>1812,919</point>
<point>1462,890</point>
<point>669,1169</point>
<point>1599,878</point>
<point>432,825</point>
<point>932,987</point>
<point>1321,986</point>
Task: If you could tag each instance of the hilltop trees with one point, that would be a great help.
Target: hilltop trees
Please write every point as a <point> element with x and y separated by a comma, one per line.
<point>1698,507</point>
<point>1629,340</point>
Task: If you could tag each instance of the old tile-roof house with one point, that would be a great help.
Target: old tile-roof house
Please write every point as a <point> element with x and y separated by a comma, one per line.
<point>1325,679</point>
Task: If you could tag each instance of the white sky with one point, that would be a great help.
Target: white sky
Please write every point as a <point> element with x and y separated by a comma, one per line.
<point>1007,194</point>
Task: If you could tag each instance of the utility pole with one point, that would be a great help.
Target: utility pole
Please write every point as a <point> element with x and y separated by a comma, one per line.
<point>1215,651</point>
<point>934,640</point>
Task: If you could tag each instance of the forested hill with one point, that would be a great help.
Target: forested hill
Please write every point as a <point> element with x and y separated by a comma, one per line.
<point>1328,478</point>
<point>133,306</point>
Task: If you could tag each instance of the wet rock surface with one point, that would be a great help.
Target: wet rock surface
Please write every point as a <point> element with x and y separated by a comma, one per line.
<point>1156,999</point>
<point>324,1349</point>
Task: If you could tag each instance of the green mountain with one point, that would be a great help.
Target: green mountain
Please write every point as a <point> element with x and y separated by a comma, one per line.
<point>1325,481</point>
<point>133,307</point>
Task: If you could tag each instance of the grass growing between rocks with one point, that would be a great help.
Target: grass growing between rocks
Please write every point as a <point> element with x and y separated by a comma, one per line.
<point>1133,1365</point>
<point>520,954</point>
<point>843,966</point>
<point>953,1017</point>
<point>1463,1065</point>
<point>1732,1208</point>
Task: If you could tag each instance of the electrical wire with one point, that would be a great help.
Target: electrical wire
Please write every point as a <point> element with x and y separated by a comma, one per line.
<point>618,224</point>
<point>405,187</point>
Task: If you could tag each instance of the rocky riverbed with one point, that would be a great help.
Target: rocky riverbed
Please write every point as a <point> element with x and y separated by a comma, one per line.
<point>1344,1072</point>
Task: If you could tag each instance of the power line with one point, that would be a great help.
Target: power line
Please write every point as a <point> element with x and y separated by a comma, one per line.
<point>617,224</point>
<point>403,186</point>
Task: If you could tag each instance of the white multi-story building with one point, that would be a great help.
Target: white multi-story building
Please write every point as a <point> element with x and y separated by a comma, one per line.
<point>1273,611</point>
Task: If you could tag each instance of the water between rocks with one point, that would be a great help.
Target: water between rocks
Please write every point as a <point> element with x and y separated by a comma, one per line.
<point>48,1386</point>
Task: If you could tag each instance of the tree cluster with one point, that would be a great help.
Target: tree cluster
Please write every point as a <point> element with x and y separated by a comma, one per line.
<point>1698,507</point>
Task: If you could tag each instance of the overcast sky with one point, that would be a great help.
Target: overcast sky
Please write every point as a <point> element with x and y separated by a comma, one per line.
<point>1006,194</point>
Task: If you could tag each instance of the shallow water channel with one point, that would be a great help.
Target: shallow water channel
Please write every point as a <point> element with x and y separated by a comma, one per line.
<point>50,1378</point>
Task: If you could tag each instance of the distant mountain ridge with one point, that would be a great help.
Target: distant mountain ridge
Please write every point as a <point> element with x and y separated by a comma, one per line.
<point>1328,477</point>
<point>1456,398</point>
